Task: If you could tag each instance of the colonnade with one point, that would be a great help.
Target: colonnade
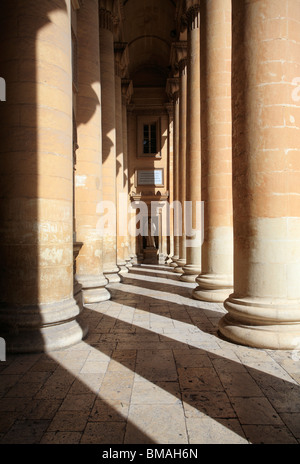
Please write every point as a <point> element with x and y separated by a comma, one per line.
<point>235,149</point>
<point>243,164</point>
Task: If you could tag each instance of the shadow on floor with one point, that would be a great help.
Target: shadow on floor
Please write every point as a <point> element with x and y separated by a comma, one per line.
<point>89,393</point>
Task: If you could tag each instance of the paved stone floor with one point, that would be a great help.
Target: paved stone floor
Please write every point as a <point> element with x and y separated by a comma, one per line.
<point>152,370</point>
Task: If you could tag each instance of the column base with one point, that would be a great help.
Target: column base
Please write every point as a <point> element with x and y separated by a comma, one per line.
<point>190,273</point>
<point>112,275</point>
<point>162,258</point>
<point>174,258</point>
<point>113,278</point>
<point>123,269</point>
<point>93,289</point>
<point>42,328</point>
<point>95,295</point>
<point>179,268</point>
<point>261,323</point>
<point>213,288</point>
<point>134,259</point>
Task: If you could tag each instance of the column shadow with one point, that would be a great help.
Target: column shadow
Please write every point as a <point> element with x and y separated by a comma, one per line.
<point>162,287</point>
<point>145,272</point>
<point>237,397</point>
<point>48,398</point>
<point>197,316</point>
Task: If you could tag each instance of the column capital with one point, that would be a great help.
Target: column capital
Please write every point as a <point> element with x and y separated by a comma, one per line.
<point>178,51</point>
<point>172,87</point>
<point>121,58</point>
<point>106,20</point>
<point>186,13</point>
<point>127,90</point>
<point>192,14</point>
<point>109,14</point>
<point>107,5</point>
<point>180,15</point>
<point>182,66</point>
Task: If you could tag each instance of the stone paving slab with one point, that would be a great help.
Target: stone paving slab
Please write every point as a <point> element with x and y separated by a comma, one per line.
<point>152,370</point>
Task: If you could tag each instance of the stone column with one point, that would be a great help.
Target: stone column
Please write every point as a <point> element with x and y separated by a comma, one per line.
<point>176,176</point>
<point>131,139</point>
<point>264,310</point>
<point>127,90</point>
<point>216,280</point>
<point>182,160</point>
<point>193,149</point>
<point>170,186</point>
<point>37,309</point>
<point>107,71</point>
<point>119,49</point>
<point>88,193</point>
<point>173,92</point>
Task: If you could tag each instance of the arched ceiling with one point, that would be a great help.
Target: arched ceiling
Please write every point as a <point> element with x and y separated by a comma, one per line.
<point>149,27</point>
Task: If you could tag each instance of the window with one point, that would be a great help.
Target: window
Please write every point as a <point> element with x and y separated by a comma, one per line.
<point>149,140</point>
<point>148,132</point>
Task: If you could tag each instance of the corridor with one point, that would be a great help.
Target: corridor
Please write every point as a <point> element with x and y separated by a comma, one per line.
<point>152,370</point>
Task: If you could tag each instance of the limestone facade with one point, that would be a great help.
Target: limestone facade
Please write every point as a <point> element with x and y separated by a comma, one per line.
<point>128,129</point>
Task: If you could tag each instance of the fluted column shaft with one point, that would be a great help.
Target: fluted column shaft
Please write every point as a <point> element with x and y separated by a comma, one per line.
<point>193,150</point>
<point>37,310</point>
<point>264,310</point>
<point>216,279</point>
<point>182,161</point>
<point>88,194</point>
<point>107,72</point>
